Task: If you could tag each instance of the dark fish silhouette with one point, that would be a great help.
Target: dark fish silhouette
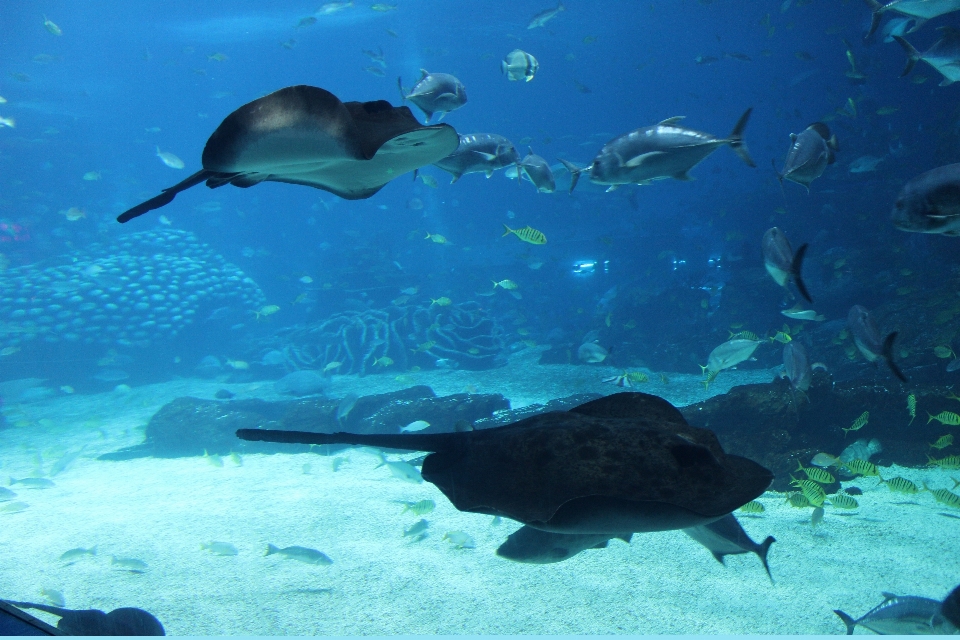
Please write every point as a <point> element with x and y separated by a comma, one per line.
<point>810,152</point>
<point>867,338</point>
<point>930,203</point>
<point>664,150</point>
<point>950,609</point>
<point>479,152</point>
<point>624,463</point>
<point>533,546</point>
<point>903,616</point>
<point>305,135</point>
<point>126,621</point>
<point>725,537</point>
<point>781,262</point>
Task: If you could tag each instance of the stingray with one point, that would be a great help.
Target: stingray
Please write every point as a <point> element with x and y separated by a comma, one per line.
<point>126,621</point>
<point>626,463</point>
<point>305,135</point>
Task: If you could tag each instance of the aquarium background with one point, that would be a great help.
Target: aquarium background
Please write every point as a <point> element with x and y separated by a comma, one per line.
<point>676,269</point>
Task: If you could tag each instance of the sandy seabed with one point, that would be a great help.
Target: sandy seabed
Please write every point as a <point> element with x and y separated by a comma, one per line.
<point>383,583</point>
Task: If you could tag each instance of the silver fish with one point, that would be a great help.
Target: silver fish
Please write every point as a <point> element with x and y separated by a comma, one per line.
<point>810,152</point>
<point>436,93</point>
<point>781,262</point>
<point>479,153</point>
<point>545,16</point>
<point>930,203</point>
<point>901,615</point>
<point>519,65</point>
<point>533,546</point>
<point>796,365</point>
<point>301,554</point>
<point>922,10</point>
<point>538,171</point>
<point>867,338</point>
<point>943,55</point>
<point>664,150</point>
<point>726,537</point>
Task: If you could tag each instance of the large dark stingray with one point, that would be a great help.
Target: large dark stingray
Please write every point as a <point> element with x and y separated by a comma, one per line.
<point>305,135</point>
<point>627,462</point>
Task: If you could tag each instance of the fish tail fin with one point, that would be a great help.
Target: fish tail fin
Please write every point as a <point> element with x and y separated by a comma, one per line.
<point>735,139</point>
<point>762,552</point>
<point>507,231</point>
<point>403,95</point>
<point>795,268</point>
<point>912,55</point>
<point>877,9</point>
<point>271,549</point>
<point>575,172</point>
<point>165,197</point>
<point>888,356</point>
<point>847,620</point>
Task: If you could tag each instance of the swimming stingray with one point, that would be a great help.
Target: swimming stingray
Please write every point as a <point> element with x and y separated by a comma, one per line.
<point>126,621</point>
<point>305,135</point>
<point>626,463</point>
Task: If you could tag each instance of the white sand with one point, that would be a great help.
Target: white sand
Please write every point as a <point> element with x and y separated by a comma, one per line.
<point>382,583</point>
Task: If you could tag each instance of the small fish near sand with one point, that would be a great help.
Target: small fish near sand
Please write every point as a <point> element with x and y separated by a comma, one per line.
<point>902,615</point>
<point>33,483</point>
<point>402,470</point>
<point>300,554</point>
<point>133,565</point>
<point>73,555</point>
<point>419,508</point>
<point>460,540</point>
<point>219,548</point>
<point>726,537</point>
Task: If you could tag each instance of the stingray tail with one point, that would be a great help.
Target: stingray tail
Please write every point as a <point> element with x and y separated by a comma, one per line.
<point>165,197</point>
<point>912,55</point>
<point>57,611</point>
<point>575,172</point>
<point>735,139</point>
<point>407,441</point>
<point>888,356</point>
<point>877,9</point>
<point>847,620</point>
<point>763,551</point>
<point>795,268</point>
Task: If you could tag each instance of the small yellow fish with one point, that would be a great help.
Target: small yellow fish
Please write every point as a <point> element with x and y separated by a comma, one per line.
<point>843,501</point>
<point>943,442</point>
<point>214,459</point>
<point>268,310</point>
<point>944,496</point>
<point>900,485</point>
<point>236,459</point>
<point>383,362</point>
<point>509,285</point>
<point>887,111</point>
<point>817,474</point>
<point>781,337</point>
<point>949,463</point>
<point>812,491</point>
<point>441,302</point>
<point>858,424</point>
<point>49,25</point>
<point>436,237</point>
<point>218,57</point>
<point>527,234</point>
<point>861,467</point>
<point>711,376</point>
<point>331,366</point>
<point>912,407</point>
<point>752,507</point>
<point>420,508</point>
<point>743,335</point>
<point>91,176</point>
<point>239,365</point>
<point>944,417</point>
<point>300,298</point>
<point>797,499</point>
<point>429,180</point>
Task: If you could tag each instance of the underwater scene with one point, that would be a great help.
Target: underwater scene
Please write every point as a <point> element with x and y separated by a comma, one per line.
<point>576,317</point>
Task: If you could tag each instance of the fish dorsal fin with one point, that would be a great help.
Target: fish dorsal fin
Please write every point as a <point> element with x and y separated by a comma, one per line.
<point>669,122</point>
<point>601,545</point>
<point>423,73</point>
<point>793,137</point>
<point>636,161</point>
<point>631,405</point>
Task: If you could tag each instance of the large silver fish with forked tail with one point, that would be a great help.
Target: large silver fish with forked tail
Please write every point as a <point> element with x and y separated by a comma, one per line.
<point>921,10</point>
<point>943,55</point>
<point>867,338</point>
<point>661,151</point>
<point>781,262</point>
<point>930,203</point>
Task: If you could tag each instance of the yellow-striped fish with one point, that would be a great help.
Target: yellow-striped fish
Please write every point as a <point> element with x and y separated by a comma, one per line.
<point>912,407</point>
<point>860,467</point>
<point>817,474</point>
<point>812,491</point>
<point>527,234</point>
<point>858,424</point>
<point>943,442</point>
<point>752,507</point>
<point>951,463</point>
<point>843,501</point>
<point>743,335</point>
<point>420,508</point>
<point>796,499</point>
<point>901,485</point>
<point>944,496</point>
<point>944,417</point>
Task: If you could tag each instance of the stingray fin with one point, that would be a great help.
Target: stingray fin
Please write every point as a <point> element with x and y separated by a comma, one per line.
<point>165,197</point>
<point>636,161</point>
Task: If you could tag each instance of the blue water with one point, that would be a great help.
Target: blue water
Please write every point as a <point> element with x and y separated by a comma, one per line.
<point>679,261</point>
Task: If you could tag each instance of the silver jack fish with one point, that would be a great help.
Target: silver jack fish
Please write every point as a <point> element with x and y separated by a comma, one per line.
<point>536,169</point>
<point>479,152</point>
<point>867,338</point>
<point>781,262</point>
<point>943,55</point>
<point>661,151</point>
<point>922,10</point>
<point>930,203</point>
